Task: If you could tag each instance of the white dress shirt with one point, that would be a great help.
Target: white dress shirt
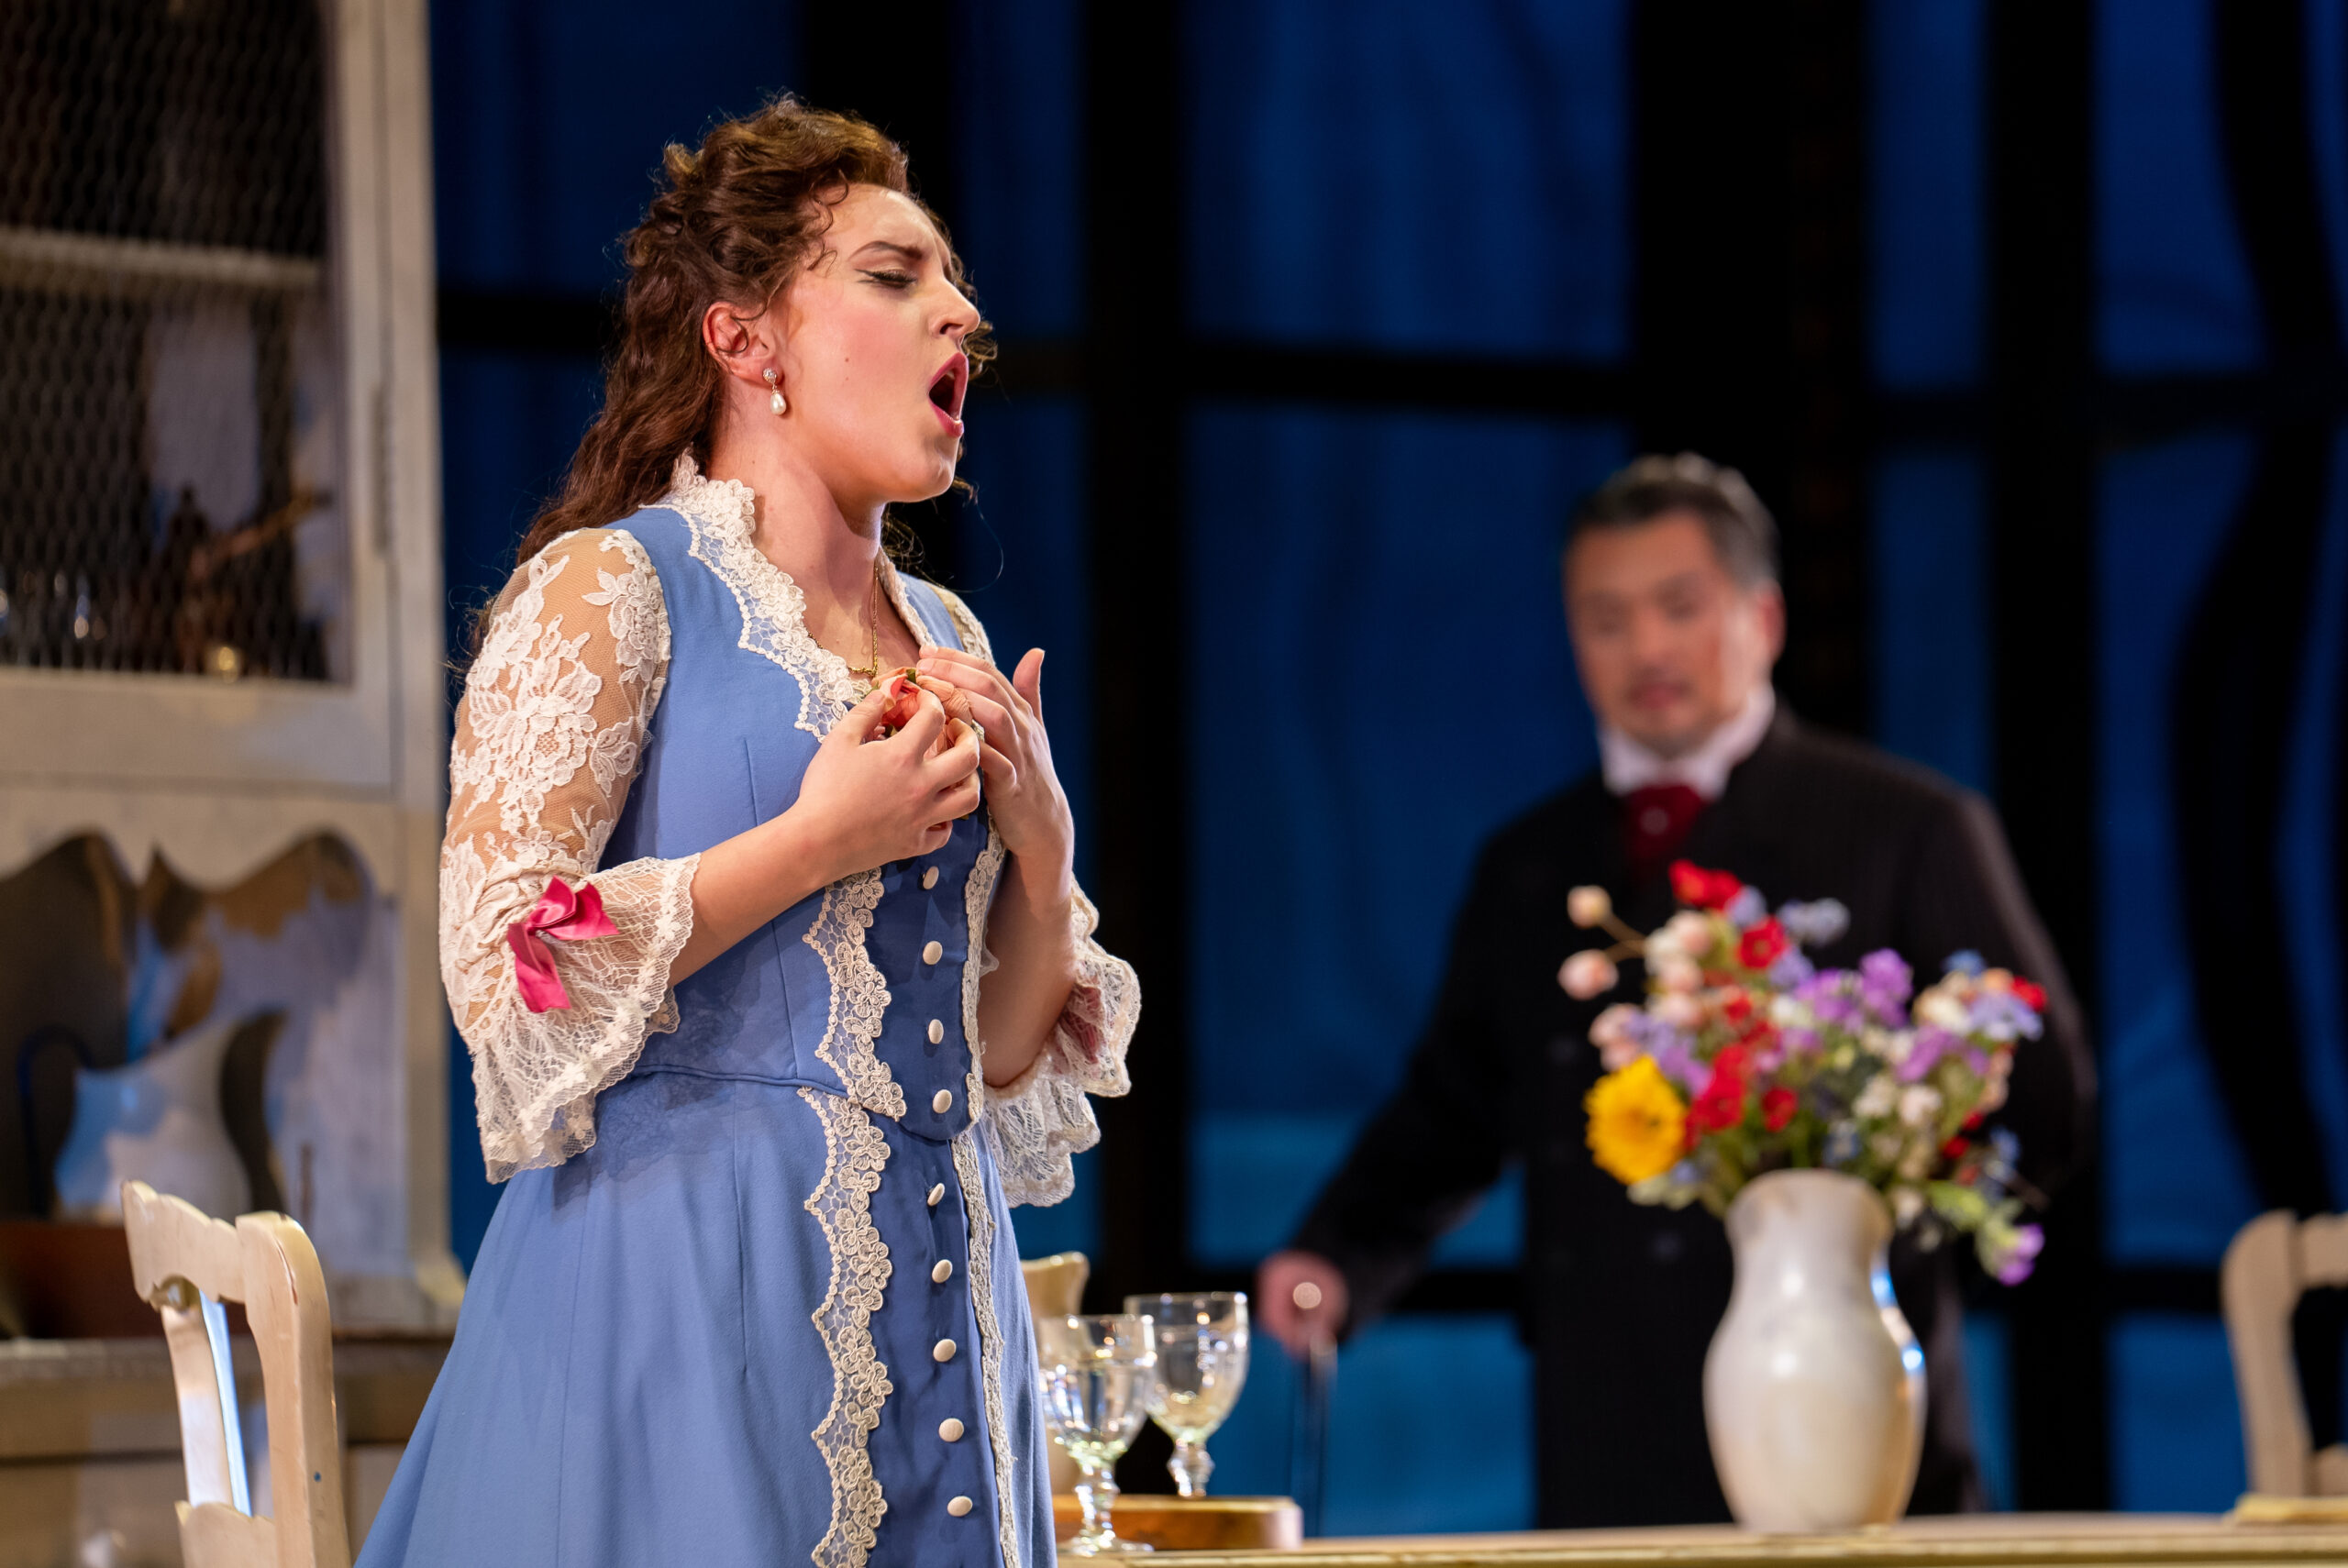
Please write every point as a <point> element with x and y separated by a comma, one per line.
<point>1627,766</point>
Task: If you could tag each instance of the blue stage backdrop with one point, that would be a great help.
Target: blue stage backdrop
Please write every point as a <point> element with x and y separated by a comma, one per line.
<point>1378,174</point>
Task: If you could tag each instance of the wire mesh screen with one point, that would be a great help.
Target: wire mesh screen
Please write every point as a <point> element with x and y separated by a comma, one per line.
<point>168,380</point>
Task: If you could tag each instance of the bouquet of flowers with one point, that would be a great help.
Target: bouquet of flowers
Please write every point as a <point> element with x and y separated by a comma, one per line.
<point>1748,1058</point>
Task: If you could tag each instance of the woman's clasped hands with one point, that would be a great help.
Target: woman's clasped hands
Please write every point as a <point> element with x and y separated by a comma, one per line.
<point>879,791</point>
<point>1023,792</point>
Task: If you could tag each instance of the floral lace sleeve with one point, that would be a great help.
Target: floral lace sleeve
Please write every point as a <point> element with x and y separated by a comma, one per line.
<point>1042,1117</point>
<point>554,714</point>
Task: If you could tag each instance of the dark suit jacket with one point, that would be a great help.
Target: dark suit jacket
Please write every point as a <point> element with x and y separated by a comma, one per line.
<point>1620,1301</point>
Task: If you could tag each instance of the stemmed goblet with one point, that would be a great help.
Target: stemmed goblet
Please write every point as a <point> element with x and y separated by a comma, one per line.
<point>1202,1365</point>
<point>1097,1376</point>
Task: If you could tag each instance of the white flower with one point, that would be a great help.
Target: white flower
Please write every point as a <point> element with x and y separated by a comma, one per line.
<point>1789,1012</point>
<point>1690,932</point>
<point>1892,1045</point>
<point>1917,1163</point>
<point>1936,1006</point>
<point>1918,1103</point>
<point>1907,1203</point>
<point>1679,1009</point>
<point>1679,974</point>
<point>1886,1146</point>
<point>1876,1100</point>
<point>1588,974</point>
<point>1588,906</point>
<point>1993,1095</point>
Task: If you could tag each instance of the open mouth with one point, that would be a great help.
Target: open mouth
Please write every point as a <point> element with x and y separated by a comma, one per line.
<point>947,389</point>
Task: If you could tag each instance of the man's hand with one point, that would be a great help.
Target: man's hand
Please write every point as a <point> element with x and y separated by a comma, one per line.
<point>1300,1297</point>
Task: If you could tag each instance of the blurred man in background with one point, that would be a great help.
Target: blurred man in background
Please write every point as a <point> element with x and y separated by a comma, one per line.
<point>1676,619</point>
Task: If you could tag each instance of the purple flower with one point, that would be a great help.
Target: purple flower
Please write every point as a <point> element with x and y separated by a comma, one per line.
<point>1791,970</point>
<point>1831,1002</point>
<point>2002,1015</point>
<point>1675,1055</point>
<point>1933,1043</point>
<point>1965,961</point>
<point>1798,1042</point>
<point>2016,1258</point>
<point>1885,986</point>
<point>1747,909</point>
<point>1817,924</point>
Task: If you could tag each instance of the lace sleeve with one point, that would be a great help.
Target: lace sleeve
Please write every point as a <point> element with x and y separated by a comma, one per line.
<point>554,714</point>
<point>1042,1117</point>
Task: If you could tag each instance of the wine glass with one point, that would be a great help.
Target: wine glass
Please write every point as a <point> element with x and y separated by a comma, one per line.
<point>1202,1365</point>
<point>1097,1376</point>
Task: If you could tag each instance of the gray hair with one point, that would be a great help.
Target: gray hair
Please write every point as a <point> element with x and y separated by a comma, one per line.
<point>1744,535</point>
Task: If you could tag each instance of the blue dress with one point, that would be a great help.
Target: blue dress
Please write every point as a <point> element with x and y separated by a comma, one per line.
<point>751,1295</point>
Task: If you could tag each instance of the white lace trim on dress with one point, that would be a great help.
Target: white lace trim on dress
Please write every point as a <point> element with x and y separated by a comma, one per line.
<point>972,1179</point>
<point>548,740</point>
<point>859,994</point>
<point>722,517</point>
<point>854,1154</point>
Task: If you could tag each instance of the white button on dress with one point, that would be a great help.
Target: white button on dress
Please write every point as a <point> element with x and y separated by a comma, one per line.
<point>929,878</point>
<point>950,1430</point>
<point>942,1272</point>
<point>937,1032</point>
<point>932,953</point>
<point>935,1193</point>
<point>958,1507</point>
<point>943,1350</point>
<point>942,1102</point>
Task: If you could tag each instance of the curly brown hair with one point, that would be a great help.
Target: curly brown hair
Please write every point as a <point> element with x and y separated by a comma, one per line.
<point>739,217</point>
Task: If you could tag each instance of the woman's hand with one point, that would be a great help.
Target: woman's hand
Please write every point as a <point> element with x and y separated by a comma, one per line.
<point>864,801</point>
<point>1023,791</point>
<point>869,801</point>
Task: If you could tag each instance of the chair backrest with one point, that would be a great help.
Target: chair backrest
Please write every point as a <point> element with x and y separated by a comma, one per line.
<point>2271,1262</point>
<point>1056,1289</point>
<point>187,1264</point>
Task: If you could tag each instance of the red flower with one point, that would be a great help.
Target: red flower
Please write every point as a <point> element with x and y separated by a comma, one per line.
<point>1762,946</point>
<point>1699,888</point>
<point>2032,995</point>
<point>1720,1105</point>
<point>1736,1007</point>
<point>1954,1149</point>
<point>1778,1108</point>
<point>1973,1123</point>
<point>1719,1108</point>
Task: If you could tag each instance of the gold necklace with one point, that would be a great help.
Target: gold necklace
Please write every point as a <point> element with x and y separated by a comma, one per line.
<point>872,668</point>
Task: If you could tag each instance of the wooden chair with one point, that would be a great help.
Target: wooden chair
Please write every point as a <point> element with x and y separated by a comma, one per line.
<point>187,1264</point>
<point>2270,1263</point>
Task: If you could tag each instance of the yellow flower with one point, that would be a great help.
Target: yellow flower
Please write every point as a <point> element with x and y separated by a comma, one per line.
<point>1637,1120</point>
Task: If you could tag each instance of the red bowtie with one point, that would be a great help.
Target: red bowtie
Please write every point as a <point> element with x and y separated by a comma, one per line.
<point>1655,822</point>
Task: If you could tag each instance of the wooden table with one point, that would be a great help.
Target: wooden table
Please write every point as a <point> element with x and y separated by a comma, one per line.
<point>1991,1540</point>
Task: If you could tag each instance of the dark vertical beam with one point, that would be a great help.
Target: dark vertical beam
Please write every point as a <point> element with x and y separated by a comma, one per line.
<point>1711,161</point>
<point>2043,546</point>
<point>1135,331</point>
<point>1823,506</point>
<point>1749,131</point>
<point>895,66</point>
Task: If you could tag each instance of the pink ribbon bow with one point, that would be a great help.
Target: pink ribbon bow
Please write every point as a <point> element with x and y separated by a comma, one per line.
<point>559,912</point>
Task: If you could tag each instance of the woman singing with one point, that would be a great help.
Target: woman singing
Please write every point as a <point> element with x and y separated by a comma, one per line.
<point>777,986</point>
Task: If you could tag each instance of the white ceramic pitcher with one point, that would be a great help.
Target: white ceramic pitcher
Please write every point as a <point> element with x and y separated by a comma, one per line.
<point>1815,1385</point>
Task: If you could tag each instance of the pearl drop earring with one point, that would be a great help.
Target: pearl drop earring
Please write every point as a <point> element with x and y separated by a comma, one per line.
<point>776,402</point>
